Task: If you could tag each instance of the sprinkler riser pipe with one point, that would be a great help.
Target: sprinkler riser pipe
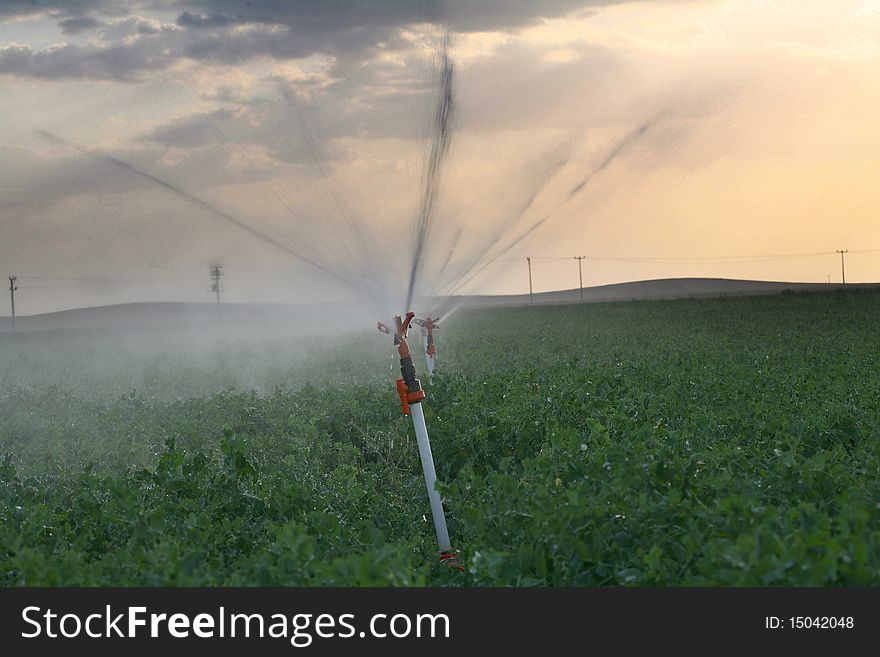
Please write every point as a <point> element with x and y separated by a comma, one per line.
<point>429,359</point>
<point>418,418</point>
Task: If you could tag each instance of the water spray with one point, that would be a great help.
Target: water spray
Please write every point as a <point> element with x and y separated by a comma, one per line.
<point>409,388</point>
<point>428,327</point>
<point>350,282</point>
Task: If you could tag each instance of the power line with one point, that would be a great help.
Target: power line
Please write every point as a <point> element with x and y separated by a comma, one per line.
<point>84,284</point>
<point>697,259</point>
<point>94,280</point>
<point>69,278</point>
<point>714,258</point>
<point>709,258</point>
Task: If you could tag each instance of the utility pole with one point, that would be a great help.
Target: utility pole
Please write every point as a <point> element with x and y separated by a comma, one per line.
<point>580,259</point>
<point>216,275</point>
<point>842,252</point>
<point>529,260</point>
<point>12,288</point>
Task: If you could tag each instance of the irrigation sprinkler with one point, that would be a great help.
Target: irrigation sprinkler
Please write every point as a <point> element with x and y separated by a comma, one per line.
<point>428,327</point>
<point>409,388</point>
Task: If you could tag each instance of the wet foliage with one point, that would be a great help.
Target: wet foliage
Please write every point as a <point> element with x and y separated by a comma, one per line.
<point>692,442</point>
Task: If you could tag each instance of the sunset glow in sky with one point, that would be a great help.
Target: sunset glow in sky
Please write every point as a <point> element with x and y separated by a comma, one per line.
<point>757,156</point>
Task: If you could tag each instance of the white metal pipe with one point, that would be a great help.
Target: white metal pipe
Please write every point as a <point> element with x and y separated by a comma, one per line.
<point>427,458</point>
<point>429,359</point>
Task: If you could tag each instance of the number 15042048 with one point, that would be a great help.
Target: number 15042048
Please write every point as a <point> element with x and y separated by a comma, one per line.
<point>809,622</point>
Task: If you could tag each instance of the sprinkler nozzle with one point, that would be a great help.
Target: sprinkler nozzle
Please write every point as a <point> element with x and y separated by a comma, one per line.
<point>409,388</point>
<point>428,327</point>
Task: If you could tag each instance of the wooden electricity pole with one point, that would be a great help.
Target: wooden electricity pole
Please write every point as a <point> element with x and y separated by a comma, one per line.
<point>12,288</point>
<point>580,259</point>
<point>216,275</point>
<point>843,252</point>
<point>529,260</point>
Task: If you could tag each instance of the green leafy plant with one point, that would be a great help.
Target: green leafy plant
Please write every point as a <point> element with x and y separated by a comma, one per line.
<point>698,442</point>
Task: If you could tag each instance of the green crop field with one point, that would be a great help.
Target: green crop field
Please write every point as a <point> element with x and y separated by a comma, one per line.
<point>692,442</point>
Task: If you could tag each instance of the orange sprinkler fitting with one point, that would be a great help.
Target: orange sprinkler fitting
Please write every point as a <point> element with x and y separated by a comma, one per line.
<point>450,558</point>
<point>407,397</point>
<point>409,388</point>
<point>403,393</point>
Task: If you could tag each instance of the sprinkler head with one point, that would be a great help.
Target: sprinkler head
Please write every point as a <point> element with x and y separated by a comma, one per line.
<point>409,388</point>
<point>429,325</point>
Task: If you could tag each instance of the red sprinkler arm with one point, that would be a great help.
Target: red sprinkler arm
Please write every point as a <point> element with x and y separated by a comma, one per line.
<point>402,326</point>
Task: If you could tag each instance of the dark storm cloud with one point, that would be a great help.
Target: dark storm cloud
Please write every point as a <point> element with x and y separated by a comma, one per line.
<point>323,15</point>
<point>341,15</point>
<point>210,31</point>
<point>131,49</point>
<point>18,8</point>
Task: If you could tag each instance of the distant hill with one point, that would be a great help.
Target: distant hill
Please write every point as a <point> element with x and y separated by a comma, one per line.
<point>662,288</point>
<point>195,315</point>
<point>311,318</point>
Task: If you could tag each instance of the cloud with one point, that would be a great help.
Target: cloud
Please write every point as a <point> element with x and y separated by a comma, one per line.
<point>196,130</point>
<point>79,24</point>
<point>69,61</point>
<point>198,21</point>
<point>335,16</point>
<point>59,8</point>
<point>133,48</point>
<point>232,32</point>
<point>128,49</point>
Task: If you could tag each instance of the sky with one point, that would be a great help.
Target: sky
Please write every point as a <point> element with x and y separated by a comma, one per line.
<point>295,143</point>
